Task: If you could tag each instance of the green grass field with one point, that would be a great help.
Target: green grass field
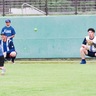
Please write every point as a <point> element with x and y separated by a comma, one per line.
<point>49,79</point>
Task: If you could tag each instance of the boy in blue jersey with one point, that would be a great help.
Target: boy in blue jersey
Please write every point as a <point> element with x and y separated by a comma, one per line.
<point>2,61</point>
<point>8,30</point>
<point>8,48</point>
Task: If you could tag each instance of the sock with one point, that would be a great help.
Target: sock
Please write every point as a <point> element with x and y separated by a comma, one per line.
<point>83,59</point>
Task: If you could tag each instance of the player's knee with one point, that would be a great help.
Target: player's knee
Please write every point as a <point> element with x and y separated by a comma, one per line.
<point>13,54</point>
<point>81,49</point>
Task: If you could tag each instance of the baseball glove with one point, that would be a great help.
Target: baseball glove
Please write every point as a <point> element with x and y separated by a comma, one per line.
<point>89,42</point>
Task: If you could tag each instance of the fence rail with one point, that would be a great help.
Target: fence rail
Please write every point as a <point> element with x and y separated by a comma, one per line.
<point>14,7</point>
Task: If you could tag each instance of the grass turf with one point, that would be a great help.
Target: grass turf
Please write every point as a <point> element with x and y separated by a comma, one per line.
<point>49,79</point>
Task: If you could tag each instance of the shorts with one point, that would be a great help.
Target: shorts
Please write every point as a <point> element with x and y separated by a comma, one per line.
<point>1,61</point>
<point>8,56</point>
<point>91,54</point>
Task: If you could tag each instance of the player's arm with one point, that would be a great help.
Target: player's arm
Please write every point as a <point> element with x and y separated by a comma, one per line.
<point>4,53</point>
<point>11,36</point>
<point>11,47</point>
<point>94,44</point>
<point>2,31</point>
<point>84,44</point>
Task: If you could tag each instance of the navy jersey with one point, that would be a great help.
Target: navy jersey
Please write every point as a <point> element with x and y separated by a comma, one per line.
<point>91,48</point>
<point>9,31</point>
<point>7,46</point>
<point>84,41</point>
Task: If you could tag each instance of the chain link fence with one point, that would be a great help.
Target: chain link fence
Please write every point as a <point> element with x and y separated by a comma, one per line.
<point>47,7</point>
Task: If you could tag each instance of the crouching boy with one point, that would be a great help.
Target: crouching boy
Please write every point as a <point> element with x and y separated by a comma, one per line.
<point>8,48</point>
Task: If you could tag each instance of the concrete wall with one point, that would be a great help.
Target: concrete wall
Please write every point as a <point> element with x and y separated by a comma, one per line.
<point>56,37</point>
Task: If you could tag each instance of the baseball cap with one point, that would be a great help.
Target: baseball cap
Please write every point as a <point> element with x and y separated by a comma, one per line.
<point>7,21</point>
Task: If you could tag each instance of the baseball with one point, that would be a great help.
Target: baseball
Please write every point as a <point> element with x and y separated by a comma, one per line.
<point>35,29</point>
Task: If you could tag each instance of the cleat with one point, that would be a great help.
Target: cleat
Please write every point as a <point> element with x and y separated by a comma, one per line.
<point>83,62</point>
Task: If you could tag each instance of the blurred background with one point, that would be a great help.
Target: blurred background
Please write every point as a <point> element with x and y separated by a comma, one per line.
<point>47,7</point>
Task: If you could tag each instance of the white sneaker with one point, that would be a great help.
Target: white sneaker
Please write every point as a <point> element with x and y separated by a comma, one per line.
<point>3,71</point>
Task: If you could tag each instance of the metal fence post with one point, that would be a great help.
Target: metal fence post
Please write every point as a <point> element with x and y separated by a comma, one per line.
<point>76,7</point>
<point>95,4</point>
<point>3,8</point>
<point>46,7</point>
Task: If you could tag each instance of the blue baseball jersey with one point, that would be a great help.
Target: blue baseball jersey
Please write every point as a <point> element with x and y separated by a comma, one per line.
<point>1,53</point>
<point>9,31</point>
<point>7,46</point>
